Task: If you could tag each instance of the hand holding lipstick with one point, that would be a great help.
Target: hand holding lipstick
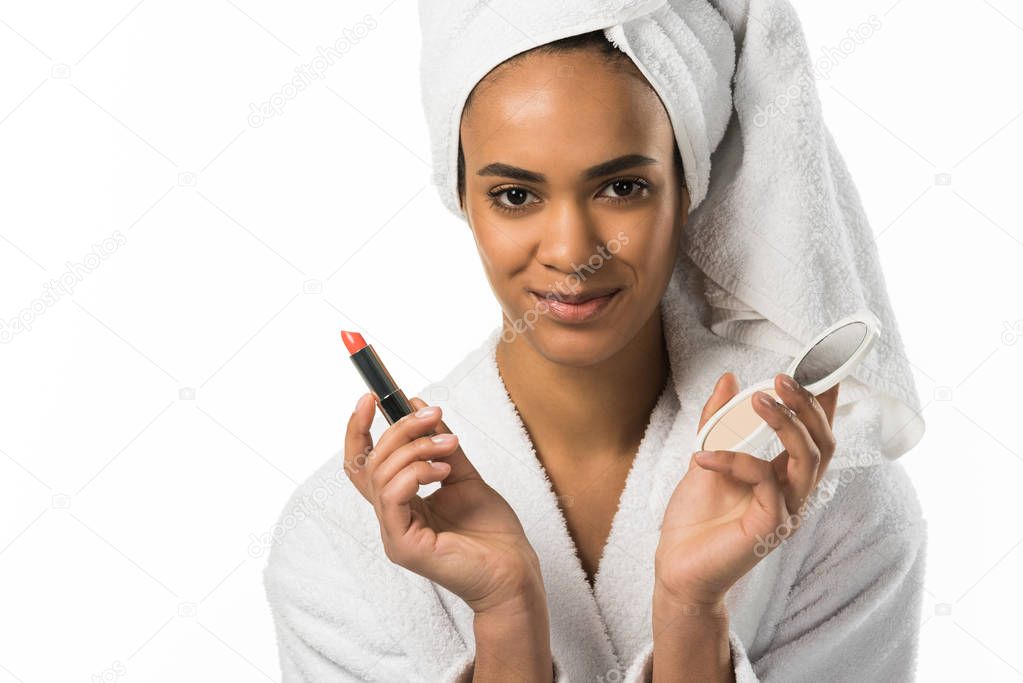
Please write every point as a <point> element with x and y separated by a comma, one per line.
<point>464,536</point>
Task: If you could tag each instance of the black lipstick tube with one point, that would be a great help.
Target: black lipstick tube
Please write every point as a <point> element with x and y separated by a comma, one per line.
<point>391,399</point>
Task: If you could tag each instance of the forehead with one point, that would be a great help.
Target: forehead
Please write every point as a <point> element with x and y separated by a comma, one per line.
<point>571,107</point>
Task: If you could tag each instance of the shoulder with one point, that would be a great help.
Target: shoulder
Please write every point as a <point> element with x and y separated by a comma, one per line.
<point>473,400</point>
<point>468,376</point>
<point>325,519</point>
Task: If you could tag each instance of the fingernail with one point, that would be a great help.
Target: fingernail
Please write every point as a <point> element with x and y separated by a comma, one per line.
<point>766,401</point>
<point>442,438</point>
<point>439,465</point>
<point>789,383</point>
<point>361,402</point>
<point>427,411</point>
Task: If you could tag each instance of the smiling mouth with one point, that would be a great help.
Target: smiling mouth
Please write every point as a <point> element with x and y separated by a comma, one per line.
<point>576,308</point>
<point>577,298</point>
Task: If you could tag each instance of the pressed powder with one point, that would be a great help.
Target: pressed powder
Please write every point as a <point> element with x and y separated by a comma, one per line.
<point>739,423</point>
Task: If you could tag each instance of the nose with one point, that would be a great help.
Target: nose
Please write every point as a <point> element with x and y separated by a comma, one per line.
<point>569,237</point>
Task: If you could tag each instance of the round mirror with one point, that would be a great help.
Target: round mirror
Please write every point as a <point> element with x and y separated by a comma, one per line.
<point>830,353</point>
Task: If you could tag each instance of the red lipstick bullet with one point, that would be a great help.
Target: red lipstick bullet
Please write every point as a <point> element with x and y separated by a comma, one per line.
<point>390,398</point>
<point>353,341</point>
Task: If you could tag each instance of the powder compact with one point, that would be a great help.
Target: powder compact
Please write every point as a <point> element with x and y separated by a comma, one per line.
<point>822,364</point>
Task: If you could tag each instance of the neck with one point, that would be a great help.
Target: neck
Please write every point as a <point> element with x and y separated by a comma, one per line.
<point>578,413</point>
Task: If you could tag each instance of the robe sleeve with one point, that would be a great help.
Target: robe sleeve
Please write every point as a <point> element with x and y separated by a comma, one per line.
<point>853,611</point>
<point>466,669</point>
<point>328,622</point>
<point>326,626</point>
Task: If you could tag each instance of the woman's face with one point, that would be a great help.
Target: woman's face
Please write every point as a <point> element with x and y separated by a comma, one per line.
<point>573,199</point>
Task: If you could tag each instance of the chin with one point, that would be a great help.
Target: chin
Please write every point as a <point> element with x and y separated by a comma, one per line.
<point>576,345</point>
<point>573,342</point>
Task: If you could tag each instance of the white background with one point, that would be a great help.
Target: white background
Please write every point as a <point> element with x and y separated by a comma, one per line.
<point>154,420</point>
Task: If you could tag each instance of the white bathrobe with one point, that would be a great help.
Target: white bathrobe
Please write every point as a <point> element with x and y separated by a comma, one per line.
<point>838,600</point>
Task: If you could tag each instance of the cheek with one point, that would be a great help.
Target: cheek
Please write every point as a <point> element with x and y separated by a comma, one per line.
<point>501,256</point>
<point>652,251</point>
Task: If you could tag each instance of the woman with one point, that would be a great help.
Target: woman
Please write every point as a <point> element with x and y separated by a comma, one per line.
<point>565,532</point>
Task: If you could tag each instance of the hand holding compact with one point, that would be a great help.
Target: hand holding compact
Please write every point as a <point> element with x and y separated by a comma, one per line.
<point>463,536</point>
<point>729,501</point>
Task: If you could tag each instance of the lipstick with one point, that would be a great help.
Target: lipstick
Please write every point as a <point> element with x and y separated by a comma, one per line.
<point>390,398</point>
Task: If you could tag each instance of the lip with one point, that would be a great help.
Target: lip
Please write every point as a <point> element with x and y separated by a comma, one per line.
<point>577,308</point>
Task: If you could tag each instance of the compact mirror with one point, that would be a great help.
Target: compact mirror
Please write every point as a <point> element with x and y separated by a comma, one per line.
<point>825,362</point>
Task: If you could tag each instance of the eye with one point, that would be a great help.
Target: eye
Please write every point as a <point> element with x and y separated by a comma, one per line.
<point>511,199</point>
<point>625,189</point>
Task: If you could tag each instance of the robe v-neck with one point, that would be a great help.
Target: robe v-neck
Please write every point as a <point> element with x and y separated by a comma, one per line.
<point>596,614</point>
<point>652,424</point>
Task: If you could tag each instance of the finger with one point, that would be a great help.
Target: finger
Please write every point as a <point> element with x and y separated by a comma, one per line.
<point>803,455</point>
<point>359,442</point>
<point>461,467</point>
<point>393,501</point>
<point>423,448</point>
<point>410,427</point>
<point>726,387</point>
<point>750,470</point>
<point>828,402</point>
<point>813,416</point>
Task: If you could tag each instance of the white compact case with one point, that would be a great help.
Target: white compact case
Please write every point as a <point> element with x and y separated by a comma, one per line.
<point>822,364</point>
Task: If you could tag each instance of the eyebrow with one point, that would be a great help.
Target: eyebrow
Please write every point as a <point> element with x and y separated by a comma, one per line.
<point>602,169</point>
